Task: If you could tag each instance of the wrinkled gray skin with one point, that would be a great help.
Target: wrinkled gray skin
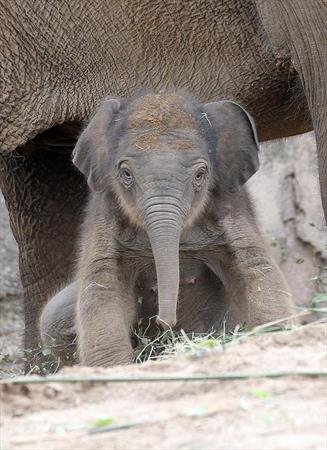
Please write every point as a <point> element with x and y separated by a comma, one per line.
<point>58,59</point>
<point>166,208</point>
<point>57,324</point>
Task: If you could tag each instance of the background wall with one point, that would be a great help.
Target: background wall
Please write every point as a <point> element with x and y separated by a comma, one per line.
<point>11,310</point>
<point>287,199</point>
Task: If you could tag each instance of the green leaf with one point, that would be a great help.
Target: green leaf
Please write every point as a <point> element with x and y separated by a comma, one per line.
<point>319,298</point>
<point>263,395</point>
<point>208,343</point>
<point>102,422</point>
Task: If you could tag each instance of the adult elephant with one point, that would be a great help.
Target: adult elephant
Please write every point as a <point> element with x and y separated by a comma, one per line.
<point>59,58</point>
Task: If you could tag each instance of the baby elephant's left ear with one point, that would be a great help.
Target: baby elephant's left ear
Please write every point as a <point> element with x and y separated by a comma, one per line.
<point>92,148</point>
<point>236,144</point>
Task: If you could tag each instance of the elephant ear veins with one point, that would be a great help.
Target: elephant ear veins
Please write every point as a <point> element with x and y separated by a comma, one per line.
<point>159,114</point>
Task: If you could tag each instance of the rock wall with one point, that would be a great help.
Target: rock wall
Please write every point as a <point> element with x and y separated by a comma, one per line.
<point>286,194</point>
<point>9,273</point>
<point>11,307</point>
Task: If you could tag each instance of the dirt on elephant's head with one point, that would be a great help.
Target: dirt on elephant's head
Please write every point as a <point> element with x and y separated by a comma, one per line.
<point>158,114</point>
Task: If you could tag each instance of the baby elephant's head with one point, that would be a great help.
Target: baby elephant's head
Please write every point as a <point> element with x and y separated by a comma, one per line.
<point>164,157</point>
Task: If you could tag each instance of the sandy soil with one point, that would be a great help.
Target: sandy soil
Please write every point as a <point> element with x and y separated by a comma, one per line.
<point>283,413</point>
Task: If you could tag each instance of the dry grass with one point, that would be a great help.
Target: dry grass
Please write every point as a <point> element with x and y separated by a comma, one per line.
<point>169,343</point>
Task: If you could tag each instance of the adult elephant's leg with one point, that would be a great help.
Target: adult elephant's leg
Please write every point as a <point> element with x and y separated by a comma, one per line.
<point>298,28</point>
<point>45,197</point>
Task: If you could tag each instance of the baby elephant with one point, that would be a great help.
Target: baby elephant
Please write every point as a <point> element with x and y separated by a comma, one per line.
<point>169,229</point>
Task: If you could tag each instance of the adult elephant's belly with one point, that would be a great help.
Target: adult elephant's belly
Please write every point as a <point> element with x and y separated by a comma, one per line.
<point>214,49</point>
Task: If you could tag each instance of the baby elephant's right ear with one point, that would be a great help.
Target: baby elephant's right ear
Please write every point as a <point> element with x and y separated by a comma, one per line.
<point>237,147</point>
<point>92,148</point>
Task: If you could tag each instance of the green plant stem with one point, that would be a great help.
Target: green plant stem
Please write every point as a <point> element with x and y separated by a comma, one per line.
<point>148,379</point>
<point>123,426</point>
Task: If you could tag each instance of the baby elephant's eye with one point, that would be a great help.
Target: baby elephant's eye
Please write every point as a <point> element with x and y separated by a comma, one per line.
<point>126,176</point>
<point>199,177</point>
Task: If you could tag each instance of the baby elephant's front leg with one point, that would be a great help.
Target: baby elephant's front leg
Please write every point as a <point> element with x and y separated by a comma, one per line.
<point>255,286</point>
<point>260,292</point>
<point>105,315</point>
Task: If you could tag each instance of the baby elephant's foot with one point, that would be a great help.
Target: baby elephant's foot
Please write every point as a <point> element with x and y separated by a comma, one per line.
<point>103,358</point>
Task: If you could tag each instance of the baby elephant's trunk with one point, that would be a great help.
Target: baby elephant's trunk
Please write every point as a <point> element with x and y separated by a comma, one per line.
<point>165,247</point>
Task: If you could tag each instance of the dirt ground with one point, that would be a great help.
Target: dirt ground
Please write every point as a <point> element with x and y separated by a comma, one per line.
<point>266,413</point>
